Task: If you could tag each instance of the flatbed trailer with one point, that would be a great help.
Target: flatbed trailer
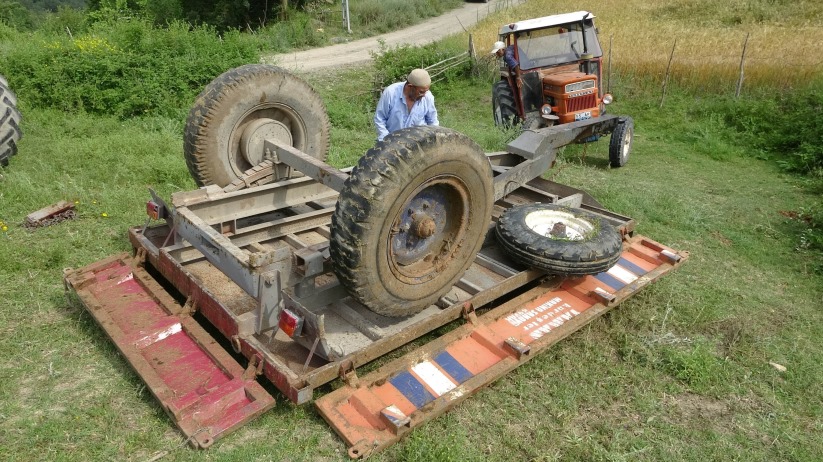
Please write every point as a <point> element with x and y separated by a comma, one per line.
<point>243,274</point>
<point>145,301</point>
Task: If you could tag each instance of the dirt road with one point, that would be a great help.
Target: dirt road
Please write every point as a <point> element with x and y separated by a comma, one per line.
<point>358,51</point>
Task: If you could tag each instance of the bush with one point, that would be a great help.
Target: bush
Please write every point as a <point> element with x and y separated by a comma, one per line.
<point>15,15</point>
<point>787,127</point>
<point>300,31</point>
<point>393,65</point>
<point>123,68</point>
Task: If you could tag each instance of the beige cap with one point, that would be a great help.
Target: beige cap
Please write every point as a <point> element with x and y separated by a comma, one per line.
<point>498,46</point>
<point>419,78</point>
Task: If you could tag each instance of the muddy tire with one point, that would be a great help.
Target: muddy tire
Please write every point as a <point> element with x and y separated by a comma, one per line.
<point>584,244</point>
<point>10,132</point>
<point>232,116</point>
<point>503,106</point>
<point>411,218</point>
<point>620,145</point>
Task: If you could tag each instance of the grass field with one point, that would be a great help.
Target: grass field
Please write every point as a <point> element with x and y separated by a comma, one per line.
<point>682,371</point>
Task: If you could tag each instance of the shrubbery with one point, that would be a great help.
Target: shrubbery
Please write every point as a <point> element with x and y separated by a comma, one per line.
<point>123,68</point>
<point>393,65</point>
<point>788,127</point>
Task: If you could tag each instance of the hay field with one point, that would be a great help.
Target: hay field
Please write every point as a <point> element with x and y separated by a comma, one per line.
<point>781,50</point>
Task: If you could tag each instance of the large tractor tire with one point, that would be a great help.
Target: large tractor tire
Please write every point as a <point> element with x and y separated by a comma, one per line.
<point>411,219</point>
<point>240,109</point>
<point>559,240</point>
<point>620,145</point>
<point>503,106</point>
<point>10,132</point>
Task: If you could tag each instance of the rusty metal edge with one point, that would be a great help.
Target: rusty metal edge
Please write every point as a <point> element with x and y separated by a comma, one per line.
<point>197,437</point>
<point>362,449</point>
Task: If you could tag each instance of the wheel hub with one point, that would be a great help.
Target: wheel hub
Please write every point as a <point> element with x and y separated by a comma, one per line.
<point>423,236</point>
<point>423,225</point>
<point>252,145</point>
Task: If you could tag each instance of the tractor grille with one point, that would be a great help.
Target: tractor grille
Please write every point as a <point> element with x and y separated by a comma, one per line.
<point>581,102</point>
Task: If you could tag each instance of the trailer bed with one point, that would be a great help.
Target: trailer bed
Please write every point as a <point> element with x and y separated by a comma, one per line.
<point>290,241</point>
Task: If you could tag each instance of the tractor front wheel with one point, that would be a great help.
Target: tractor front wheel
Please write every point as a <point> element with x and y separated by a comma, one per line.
<point>620,145</point>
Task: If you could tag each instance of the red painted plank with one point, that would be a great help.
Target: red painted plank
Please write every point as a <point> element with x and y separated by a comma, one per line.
<point>200,385</point>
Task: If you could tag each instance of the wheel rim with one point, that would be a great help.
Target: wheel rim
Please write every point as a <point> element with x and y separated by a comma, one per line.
<point>559,225</point>
<point>429,229</point>
<point>245,142</point>
<point>627,143</point>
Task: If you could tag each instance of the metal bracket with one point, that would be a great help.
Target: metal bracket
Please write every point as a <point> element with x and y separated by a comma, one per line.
<point>348,374</point>
<point>469,314</point>
<point>235,344</point>
<point>254,368</point>
<point>139,258</point>
<point>670,256</point>
<point>605,297</point>
<point>269,301</point>
<point>395,418</point>
<point>308,262</point>
<point>190,307</point>
<point>517,347</point>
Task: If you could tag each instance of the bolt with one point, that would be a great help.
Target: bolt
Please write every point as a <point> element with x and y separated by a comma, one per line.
<point>425,227</point>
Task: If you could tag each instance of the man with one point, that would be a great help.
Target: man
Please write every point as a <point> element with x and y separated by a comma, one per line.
<point>507,53</point>
<point>406,104</point>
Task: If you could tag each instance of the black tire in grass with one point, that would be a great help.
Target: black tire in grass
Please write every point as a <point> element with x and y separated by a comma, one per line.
<point>411,218</point>
<point>10,132</point>
<point>559,240</point>
<point>503,107</point>
<point>620,145</point>
<point>232,116</point>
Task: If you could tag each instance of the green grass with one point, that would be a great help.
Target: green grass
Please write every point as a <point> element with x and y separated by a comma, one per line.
<point>679,372</point>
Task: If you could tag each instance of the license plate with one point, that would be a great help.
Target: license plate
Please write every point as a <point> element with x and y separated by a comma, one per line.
<point>583,115</point>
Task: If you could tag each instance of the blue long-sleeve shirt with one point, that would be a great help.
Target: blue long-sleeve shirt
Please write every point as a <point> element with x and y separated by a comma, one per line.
<point>392,114</point>
<point>508,57</point>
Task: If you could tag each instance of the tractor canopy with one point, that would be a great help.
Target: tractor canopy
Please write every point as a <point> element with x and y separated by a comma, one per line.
<point>553,40</point>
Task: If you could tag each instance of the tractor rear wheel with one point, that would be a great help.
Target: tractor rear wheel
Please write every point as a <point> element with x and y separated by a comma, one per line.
<point>503,106</point>
<point>559,240</point>
<point>240,109</point>
<point>620,145</point>
<point>10,132</point>
<point>411,218</point>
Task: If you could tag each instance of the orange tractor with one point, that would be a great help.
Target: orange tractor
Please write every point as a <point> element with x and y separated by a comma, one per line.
<point>552,75</point>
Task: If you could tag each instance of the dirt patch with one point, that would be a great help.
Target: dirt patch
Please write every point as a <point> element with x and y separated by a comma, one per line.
<point>725,241</point>
<point>698,408</point>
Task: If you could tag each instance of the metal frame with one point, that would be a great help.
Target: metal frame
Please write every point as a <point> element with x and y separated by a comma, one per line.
<point>238,257</point>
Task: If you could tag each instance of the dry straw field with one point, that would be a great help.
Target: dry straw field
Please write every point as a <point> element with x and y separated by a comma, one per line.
<point>707,36</point>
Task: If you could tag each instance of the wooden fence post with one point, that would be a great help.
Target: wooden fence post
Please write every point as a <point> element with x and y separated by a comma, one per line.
<point>666,78</point>
<point>742,61</point>
<point>609,71</point>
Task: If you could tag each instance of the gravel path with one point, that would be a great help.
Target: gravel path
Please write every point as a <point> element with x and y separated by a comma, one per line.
<point>358,51</point>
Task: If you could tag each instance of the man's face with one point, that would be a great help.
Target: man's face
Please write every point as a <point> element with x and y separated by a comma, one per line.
<point>416,93</point>
<point>499,52</point>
